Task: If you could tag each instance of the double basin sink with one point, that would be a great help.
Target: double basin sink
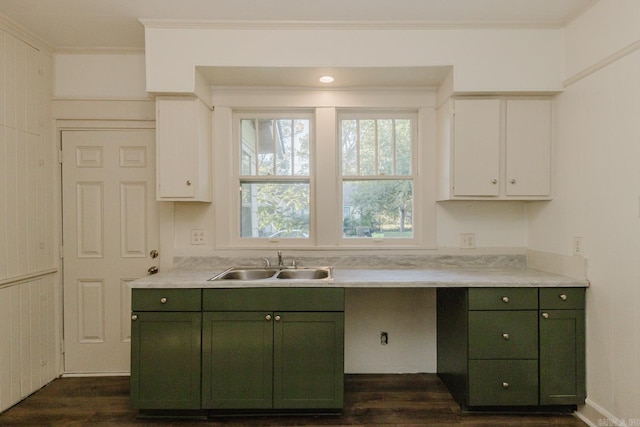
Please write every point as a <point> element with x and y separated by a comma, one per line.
<point>275,273</point>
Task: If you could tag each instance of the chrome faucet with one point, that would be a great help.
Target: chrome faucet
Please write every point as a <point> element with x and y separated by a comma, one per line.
<point>280,263</point>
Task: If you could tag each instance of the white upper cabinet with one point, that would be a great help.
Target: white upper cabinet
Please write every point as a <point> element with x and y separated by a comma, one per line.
<point>183,136</point>
<point>494,149</point>
<point>528,147</point>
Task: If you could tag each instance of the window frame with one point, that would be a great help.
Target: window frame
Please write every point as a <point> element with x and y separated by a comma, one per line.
<point>237,179</point>
<point>326,217</point>
<point>414,176</point>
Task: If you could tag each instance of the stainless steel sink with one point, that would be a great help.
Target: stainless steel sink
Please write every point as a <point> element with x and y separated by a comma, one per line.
<point>246,274</point>
<point>305,273</point>
<point>275,273</point>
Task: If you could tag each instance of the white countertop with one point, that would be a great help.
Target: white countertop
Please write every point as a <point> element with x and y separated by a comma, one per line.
<point>375,278</point>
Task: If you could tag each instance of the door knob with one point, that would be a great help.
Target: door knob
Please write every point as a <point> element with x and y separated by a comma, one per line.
<point>153,269</point>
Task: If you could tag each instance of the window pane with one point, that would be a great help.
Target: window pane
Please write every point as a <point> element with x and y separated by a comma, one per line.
<point>349,147</point>
<point>301,134</point>
<point>377,208</point>
<point>372,147</point>
<point>367,147</point>
<point>275,147</point>
<point>385,147</point>
<point>276,210</point>
<point>403,147</point>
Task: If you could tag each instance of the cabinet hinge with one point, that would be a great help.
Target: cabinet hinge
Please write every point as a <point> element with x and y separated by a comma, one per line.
<point>60,156</point>
<point>61,346</point>
<point>61,252</point>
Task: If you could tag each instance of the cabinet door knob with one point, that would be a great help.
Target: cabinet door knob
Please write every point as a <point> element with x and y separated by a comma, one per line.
<point>505,299</point>
<point>563,297</point>
<point>277,318</point>
<point>134,317</point>
<point>506,336</point>
<point>267,317</point>
<point>188,182</point>
<point>513,181</point>
<point>545,315</point>
<point>163,300</point>
<point>494,181</point>
<point>505,385</point>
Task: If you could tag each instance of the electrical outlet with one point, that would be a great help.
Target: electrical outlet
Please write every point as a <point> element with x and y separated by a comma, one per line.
<point>384,338</point>
<point>467,240</point>
<point>198,237</point>
<point>578,246</point>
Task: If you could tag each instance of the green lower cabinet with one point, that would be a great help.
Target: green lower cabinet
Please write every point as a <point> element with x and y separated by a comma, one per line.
<point>562,357</point>
<point>512,347</point>
<point>237,360</point>
<point>165,360</point>
<point>503,382</point>
<point>273,360</point>
<point>308,361</point>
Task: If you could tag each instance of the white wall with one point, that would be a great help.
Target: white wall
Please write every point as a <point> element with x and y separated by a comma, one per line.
<point>597,196</point>
<point>96,76</point>
<point>483,59</point>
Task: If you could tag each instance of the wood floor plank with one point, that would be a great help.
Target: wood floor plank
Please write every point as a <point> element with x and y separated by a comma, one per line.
<point>371,400</point>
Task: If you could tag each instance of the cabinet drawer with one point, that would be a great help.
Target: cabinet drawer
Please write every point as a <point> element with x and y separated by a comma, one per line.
<point>503,382</point>
<point>562,298</point>
<point>274,299</point>
<point>503,299</point>
<point>166,299</point>
<point>503,334</point>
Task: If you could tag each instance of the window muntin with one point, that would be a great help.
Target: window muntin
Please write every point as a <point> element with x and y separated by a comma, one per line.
<point>275,176</point>
<point>377,175</point>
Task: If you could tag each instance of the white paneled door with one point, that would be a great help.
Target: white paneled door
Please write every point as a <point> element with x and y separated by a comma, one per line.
<point>110,227</point>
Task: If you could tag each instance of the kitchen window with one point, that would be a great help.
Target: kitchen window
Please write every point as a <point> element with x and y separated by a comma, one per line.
<point>275,175</point>
<point>377,174</point>
<point>355,172</point>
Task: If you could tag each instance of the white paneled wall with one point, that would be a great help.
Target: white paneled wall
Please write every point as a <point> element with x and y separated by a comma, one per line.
<point>28,315</point>
<point>27,339</point>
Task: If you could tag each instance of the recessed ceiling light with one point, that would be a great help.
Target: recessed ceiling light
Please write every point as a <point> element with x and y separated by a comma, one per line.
<point>326,79</point>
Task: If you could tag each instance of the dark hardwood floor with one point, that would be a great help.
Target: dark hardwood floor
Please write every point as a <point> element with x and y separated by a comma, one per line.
<point>398,400</point>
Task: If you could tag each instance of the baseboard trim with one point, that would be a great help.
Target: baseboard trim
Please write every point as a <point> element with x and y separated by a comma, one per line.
<point>596,416</point>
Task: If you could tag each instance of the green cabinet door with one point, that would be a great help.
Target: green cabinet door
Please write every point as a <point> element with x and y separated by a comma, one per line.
<point>165,360</point>
<point>237,359</point>
<point>308,360</point>
<point>562,357</point>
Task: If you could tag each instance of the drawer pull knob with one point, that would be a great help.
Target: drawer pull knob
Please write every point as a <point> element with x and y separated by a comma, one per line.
<point>134,317</point>
<point>494,181</point>
<point>505,385</point>
<point>505,336</point>
<point>277,318</point>
<point>563,297</point>
<point>267,317</point>
<point>163,300</point>
<point>545,315</point>
<point>188,182</point>
<point>505,299</point>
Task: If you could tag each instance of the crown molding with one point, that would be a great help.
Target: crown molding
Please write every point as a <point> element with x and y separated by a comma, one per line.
<point>344,25</point>
<point>100,50</point>
<point>17,30</point>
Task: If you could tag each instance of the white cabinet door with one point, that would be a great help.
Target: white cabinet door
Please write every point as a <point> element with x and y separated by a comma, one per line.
<point>528,147</point>
<point>476,148</point>
<point>183,127</point>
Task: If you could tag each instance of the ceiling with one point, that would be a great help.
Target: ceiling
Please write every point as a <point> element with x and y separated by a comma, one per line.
<point>115,25</point>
